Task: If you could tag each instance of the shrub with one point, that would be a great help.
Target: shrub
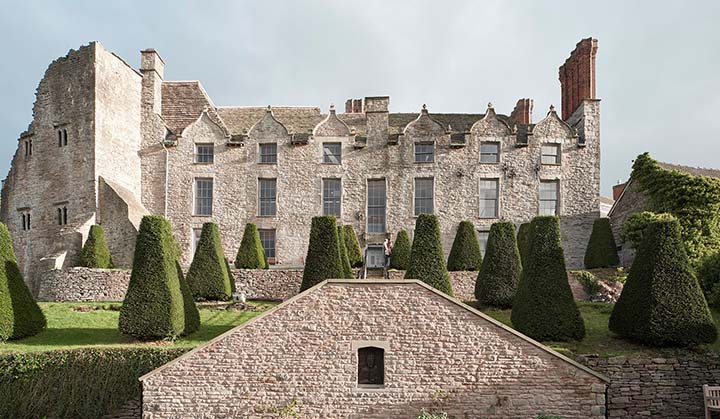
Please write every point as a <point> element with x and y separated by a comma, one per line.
<point>523,241</point>
<point>344,261</point>
<point>544,308</point>
<point>192,315</point>
<point>589,283</point>
<point>352,246</point>
<point>465,252</point>
<point>662,303</point>
<point>95,252</point>
<point>323,255</point>
<point>601,251</point>
<point>208,276</point>
<point>400,256</point>
<point>153,307</point>
<point>709,278</point>
<point>500,270</point>
<point>251,254</point>
<point>427,262</point>
<point>634,226</point>
<point>20,316</point>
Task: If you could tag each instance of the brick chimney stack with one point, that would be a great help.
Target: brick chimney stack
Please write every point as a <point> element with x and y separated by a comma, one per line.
<point>577,76</point>
<point>354,106</point>
<point>618,190</point>
<point>522,114</point>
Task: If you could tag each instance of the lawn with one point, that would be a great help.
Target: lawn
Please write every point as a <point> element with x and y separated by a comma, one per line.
<point>68,327</point>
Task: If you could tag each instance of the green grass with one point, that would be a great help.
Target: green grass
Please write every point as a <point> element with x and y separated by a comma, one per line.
<point>69,328</point>
<point>600,340</point>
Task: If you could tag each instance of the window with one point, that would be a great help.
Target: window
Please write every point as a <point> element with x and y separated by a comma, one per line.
<point>549,197</point>
<point>62,216</point>
<point>25,220</point>
<point>489,198</point>
<point>424,153</point>
<point>483,236</point>
<point>332,153</point>
<point>267,239</point>
<point>203,196</point>
<point>267,197</point>
<point>332,196</point>
<point>423,196</point>
<point>376,205</point>
<point>371,366</point>
<point>28,147</point>
<point>196,233</point>
<point>489,152</point>
<point>375,257</point>
<point>550,154</point>
<point>62,137</point>
<point>268,153</point>
<point>204,153</point>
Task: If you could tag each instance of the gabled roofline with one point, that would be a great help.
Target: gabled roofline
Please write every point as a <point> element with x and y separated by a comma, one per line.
<point>615,204</point>
<point>384,281</point>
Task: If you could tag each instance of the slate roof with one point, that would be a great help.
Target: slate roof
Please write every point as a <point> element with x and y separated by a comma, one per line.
<point>695,171</point>
<point>182,104</point>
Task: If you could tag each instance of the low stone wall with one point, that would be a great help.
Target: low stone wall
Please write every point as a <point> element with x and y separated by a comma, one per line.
<point>268,284</point>
<point>83,284</point>
<point>669,388</point>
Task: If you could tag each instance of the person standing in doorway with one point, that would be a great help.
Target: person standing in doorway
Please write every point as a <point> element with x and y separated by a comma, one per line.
<point>387,248</point>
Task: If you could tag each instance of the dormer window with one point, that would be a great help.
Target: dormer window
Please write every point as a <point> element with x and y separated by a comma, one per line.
<point>489,152</point>
<point>332,153</point>
<point>424,153</point>
<point>550,154</point>
<point>62,137</point>
<point>204,153</point>
<point>371,367</point>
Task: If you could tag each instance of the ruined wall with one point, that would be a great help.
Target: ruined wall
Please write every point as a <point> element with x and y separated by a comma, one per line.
<point>632,201</point>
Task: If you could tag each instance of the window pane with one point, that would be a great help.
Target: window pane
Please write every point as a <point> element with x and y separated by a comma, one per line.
<point>489,198</point>
<point>204,153</point>
<point>332,153</point>
<point>268,153</point>
<point>550,154</point>
<point>203,196</point>
<point>483,239</point>
<point>371,366</point>
<point>424,153</point>
<point>548,197</point>
<point>423,196</point>
<point>332,195</point>
<point>267,239</point>
<point>267,197</point>
<point>376,205</point>
<point>489,152</point>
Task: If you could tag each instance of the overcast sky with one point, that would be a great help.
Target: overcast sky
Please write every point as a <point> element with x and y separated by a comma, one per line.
<point>658,65</point>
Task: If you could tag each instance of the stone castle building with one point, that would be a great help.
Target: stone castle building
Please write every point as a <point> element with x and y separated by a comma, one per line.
<point>109,143</point>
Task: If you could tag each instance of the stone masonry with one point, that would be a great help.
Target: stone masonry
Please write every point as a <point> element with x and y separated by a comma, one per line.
<point>438,354</point>
<point>133,137</point>
<point>83,284</point>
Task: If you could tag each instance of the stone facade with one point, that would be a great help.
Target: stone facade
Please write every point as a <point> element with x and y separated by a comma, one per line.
<point>438,354</point>
<point>132,151</point>
<point>83,284</point>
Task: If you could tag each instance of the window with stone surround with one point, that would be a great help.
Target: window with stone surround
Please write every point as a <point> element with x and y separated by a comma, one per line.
<point>424,196</point>
<point>424,152</point>
<point>62,215</point>
<point>204,153</point>
<point>332,153</point>
<point>483,236</point>
<point>549,192</point>
<point>267,197</point>
<point>489,193</point>
<point>550,154</point>
<point>376,201</point>
<point>489,152</point>
<point>203,196</point>
<point>28,147</point>
<point>62,137</point>
<point>332,196</point>
<point>371,367</point>
<point>25,218</point>
<point>267,239</point>
<point>267,153</point>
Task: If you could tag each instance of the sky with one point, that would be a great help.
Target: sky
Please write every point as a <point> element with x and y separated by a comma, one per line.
<point>658,62</point>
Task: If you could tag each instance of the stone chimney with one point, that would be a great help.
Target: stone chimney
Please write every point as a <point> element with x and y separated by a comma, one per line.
<point>152,67</point>
<point>522,114</point>
<point>376,114</point>
<point>577,76</point>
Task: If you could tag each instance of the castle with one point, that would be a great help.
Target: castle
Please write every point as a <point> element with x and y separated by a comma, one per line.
<point>109,144</point>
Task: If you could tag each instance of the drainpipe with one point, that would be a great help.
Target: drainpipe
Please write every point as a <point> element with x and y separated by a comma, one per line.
<point>167,160</point>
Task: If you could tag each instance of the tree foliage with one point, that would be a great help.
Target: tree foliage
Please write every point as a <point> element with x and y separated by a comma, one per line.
<point>251,254</point>
<point>501,267</point>
<point>208,276</point>
<point>427,262</point>
<point>323,256</point>
<point>400,256</point>
<point>601,251</point>
<point>523,241</point>
<point>632,230</point>
<point>352,246</point>
<point>344,261</point>
<point>95,253</point>
<point>465,253</point>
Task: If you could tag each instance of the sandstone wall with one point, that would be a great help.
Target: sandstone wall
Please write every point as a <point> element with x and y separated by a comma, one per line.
<point>633,201</point>
<point>83,284</point>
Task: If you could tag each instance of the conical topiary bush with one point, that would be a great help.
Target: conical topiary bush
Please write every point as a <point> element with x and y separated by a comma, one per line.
<point>20,315</point>
<point>95,252</point>
<point>662,303</point>
<point>192,315</point>
<point>344,261</point>
<point>208,276</point>
<point>543,307</point>
<point>400,257</point>
<point>352,246</point>
<point>153,307</point>
<point>323,255</point>
<point>465,253</point>
<point>523,241</point>
<point>601,251</point>
<point>427,262</point>
<point>501,267</point>
<point>251,254</point>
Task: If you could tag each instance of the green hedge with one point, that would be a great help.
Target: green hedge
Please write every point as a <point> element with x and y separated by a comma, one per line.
<point>323,255</point>
<point>153,307</point>
<point>81,383</point>
<point>635,225</point>
<point>709,278</point>
<point>427,262</point>
<point>20,316</point>
<point>95,252</point>
<point>465,253</point>
<point>601,251</point>
<point>208,276</point>
<point>251,254</point>
<point>192,315</point>
<point>544,308</point>
<point>523,241</point>
<point>400,256</point>
<point>352,246</point>
<point>500,270</point>
<point>662,303</point>
<point>344,261</point>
